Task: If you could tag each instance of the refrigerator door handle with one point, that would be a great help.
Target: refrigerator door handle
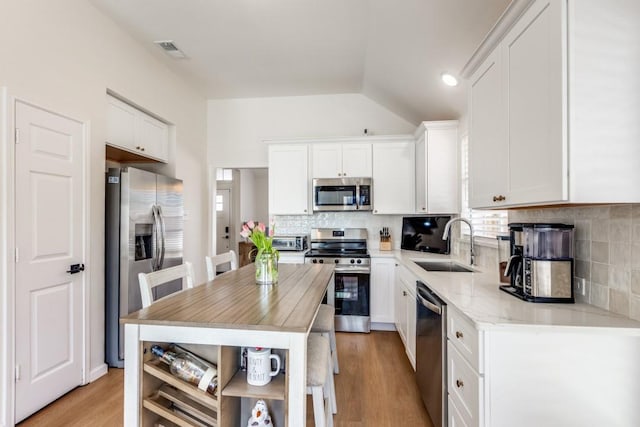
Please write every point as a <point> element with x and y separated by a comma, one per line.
<point>155,265</point>
<point>162,237</point>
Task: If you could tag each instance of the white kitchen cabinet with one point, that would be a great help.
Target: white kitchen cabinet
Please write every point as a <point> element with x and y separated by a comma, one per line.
<point>339,160</point>
<point>382,285</point>
<point>488,148</point>
<point>405,310</point>
<point>465,364</point>
<point>394,177</point>
<point>288,179</point>
<point>291,257</point>
<point>559,126</point>
<point>437,177</point>
<point>135,131</point>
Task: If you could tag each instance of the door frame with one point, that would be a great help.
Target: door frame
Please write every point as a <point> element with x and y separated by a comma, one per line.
<point>8,244</point>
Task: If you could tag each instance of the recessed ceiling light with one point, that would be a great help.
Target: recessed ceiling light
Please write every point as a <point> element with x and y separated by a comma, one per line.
<point>449,80</point>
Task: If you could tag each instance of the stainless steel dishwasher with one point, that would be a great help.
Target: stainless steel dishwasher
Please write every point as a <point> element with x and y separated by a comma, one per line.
<point>431,353</point>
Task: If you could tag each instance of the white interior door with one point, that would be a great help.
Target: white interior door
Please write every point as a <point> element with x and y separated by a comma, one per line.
<point>49,166</point>
<point>223,220</point>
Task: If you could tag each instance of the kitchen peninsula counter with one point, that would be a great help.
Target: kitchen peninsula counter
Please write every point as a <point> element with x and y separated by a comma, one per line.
<point>232,311</point>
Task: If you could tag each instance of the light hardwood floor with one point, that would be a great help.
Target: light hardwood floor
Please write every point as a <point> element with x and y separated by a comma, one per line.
<point>375,387</point>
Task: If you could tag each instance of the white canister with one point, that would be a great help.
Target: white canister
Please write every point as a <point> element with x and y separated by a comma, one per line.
<point>259,365</point>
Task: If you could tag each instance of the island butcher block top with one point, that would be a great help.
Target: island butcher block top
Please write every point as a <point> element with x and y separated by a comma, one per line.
<point>234,301</point>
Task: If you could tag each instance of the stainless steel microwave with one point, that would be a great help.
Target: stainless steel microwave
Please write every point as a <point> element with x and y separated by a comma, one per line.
<point>342,194</point>
<point>290,243</point>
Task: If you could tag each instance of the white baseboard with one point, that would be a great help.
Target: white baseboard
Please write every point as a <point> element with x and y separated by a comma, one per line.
<point>98,372</point>
<point>378,326</point>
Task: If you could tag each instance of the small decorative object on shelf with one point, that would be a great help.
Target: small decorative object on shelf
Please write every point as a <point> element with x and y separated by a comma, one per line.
<point>266,256</point>
<point>385,239</point>
<point>259,366</point>
<point>190,368</point>
<point>260,415</point>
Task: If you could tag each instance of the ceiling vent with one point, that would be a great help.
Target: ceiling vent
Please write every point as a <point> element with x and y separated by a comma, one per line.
<point>170,48</point>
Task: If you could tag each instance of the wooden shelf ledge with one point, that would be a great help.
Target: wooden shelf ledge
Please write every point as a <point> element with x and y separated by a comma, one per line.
<point>239,387</point>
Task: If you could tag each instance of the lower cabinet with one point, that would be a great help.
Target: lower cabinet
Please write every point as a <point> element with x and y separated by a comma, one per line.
<point>382,278</point>
<point>168,400</point>
<point>465,384</point>
<point>405,310</point>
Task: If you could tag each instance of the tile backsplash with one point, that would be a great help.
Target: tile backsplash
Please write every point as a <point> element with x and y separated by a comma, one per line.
<point>302,224</point>
<point>606,252</point>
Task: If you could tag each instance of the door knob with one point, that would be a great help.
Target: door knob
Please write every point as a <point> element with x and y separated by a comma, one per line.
<point>75,268</point>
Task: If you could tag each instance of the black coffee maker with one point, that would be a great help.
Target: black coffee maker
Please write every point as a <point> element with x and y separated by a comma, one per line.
<point>541,262</point>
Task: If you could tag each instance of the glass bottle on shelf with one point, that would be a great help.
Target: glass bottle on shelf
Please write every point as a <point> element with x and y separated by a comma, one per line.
<point>189,368</point>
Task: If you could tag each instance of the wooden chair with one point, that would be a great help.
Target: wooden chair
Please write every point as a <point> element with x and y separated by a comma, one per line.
<point>148,281</point>
<point>215,260</point>
<point>320,383</point>
<point>324,324</point>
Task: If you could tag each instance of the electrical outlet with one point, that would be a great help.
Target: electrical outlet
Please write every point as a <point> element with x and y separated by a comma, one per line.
<point>580,286</point>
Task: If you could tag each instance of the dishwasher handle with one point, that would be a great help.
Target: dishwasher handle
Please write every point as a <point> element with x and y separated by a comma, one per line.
<point>428,305</point>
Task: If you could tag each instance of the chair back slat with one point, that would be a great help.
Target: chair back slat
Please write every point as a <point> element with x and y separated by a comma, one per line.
<point>215,260</point>
<point>148,281</point>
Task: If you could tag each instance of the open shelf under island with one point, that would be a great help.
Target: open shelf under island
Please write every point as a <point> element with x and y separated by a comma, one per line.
<point>227,314</point>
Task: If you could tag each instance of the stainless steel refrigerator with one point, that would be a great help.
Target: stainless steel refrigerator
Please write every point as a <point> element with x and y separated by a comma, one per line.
<point>143,233</point>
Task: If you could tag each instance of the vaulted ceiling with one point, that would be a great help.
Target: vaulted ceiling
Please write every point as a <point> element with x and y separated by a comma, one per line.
<point>392,51</point>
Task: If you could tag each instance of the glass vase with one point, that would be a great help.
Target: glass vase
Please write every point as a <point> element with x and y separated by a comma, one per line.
<point>267,269</point>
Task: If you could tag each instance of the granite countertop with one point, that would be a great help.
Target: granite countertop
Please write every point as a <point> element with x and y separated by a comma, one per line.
<point>478,297</point>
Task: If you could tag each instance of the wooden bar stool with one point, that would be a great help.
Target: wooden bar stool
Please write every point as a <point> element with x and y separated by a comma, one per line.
<point>320,380</point>
<point>325,325</point>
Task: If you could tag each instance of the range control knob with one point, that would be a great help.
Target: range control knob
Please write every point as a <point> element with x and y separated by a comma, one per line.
<point>321,261</point>
<point>352,261</point>
<point>359,261</point>
<point>336,260</point>
<point>315,261</point>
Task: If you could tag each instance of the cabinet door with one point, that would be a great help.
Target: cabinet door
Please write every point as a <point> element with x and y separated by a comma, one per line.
<point>356,160</point>
<point>382,275</point>
<point>400,307</point>
<point>152,137</point>
<point>488,150</point>
<point>288,179</point>
<point>393,178</point>
<point>437,176</point>
<point>411,309</point>
<point>326,160</point>
<point>534,67</point>
<point>121,124</point>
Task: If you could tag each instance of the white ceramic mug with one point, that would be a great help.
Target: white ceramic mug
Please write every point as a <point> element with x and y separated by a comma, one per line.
<point>259,366</point>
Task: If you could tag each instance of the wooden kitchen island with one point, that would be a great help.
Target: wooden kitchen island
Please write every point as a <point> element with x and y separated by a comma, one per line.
<point>225,314</point>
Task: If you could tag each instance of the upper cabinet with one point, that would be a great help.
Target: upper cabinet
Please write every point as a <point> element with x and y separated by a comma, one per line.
<point>337,160</point>
<point>394,177</point>
<point>437,176</point>
<point>288,179</point>
<point>136,132</point>
<point>547,123</point>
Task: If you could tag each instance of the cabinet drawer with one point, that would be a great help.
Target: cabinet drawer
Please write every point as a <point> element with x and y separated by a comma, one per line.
<point>453,415</point>
<point>466,338</point>
<point>465,386</point>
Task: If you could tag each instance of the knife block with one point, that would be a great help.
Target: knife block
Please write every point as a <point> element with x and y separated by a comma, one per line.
<point>385,243</point>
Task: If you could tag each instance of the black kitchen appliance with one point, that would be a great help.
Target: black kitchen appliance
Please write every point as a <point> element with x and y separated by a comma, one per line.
<point>346,248</point>
<point>424,234</point>
<point>541,262</point>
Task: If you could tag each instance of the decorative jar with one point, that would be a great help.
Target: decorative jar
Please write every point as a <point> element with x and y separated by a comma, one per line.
<point>267,268</point>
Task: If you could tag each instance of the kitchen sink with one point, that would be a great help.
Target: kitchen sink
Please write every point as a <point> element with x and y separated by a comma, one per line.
<point>449,266</point>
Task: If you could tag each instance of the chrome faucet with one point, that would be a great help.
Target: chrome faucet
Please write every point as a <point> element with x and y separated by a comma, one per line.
<point>447,232</point>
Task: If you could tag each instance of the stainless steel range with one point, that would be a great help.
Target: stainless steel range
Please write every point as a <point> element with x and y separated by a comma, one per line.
<point>346,248</point>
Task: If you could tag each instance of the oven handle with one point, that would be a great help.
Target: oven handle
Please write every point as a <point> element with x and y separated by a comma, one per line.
<point>428,305</point>
<point>352,270</point>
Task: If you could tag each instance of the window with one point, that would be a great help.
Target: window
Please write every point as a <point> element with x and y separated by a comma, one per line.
<point>486,223</point>
<point>224,174</point>
<point>219,203</point>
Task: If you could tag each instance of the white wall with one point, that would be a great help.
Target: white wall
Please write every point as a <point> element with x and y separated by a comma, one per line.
<point>237,127</point>
<point>63,56</point>
<point>254,194</point>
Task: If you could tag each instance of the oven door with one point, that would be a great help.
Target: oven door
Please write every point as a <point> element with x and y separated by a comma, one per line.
<point>352,299</point>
